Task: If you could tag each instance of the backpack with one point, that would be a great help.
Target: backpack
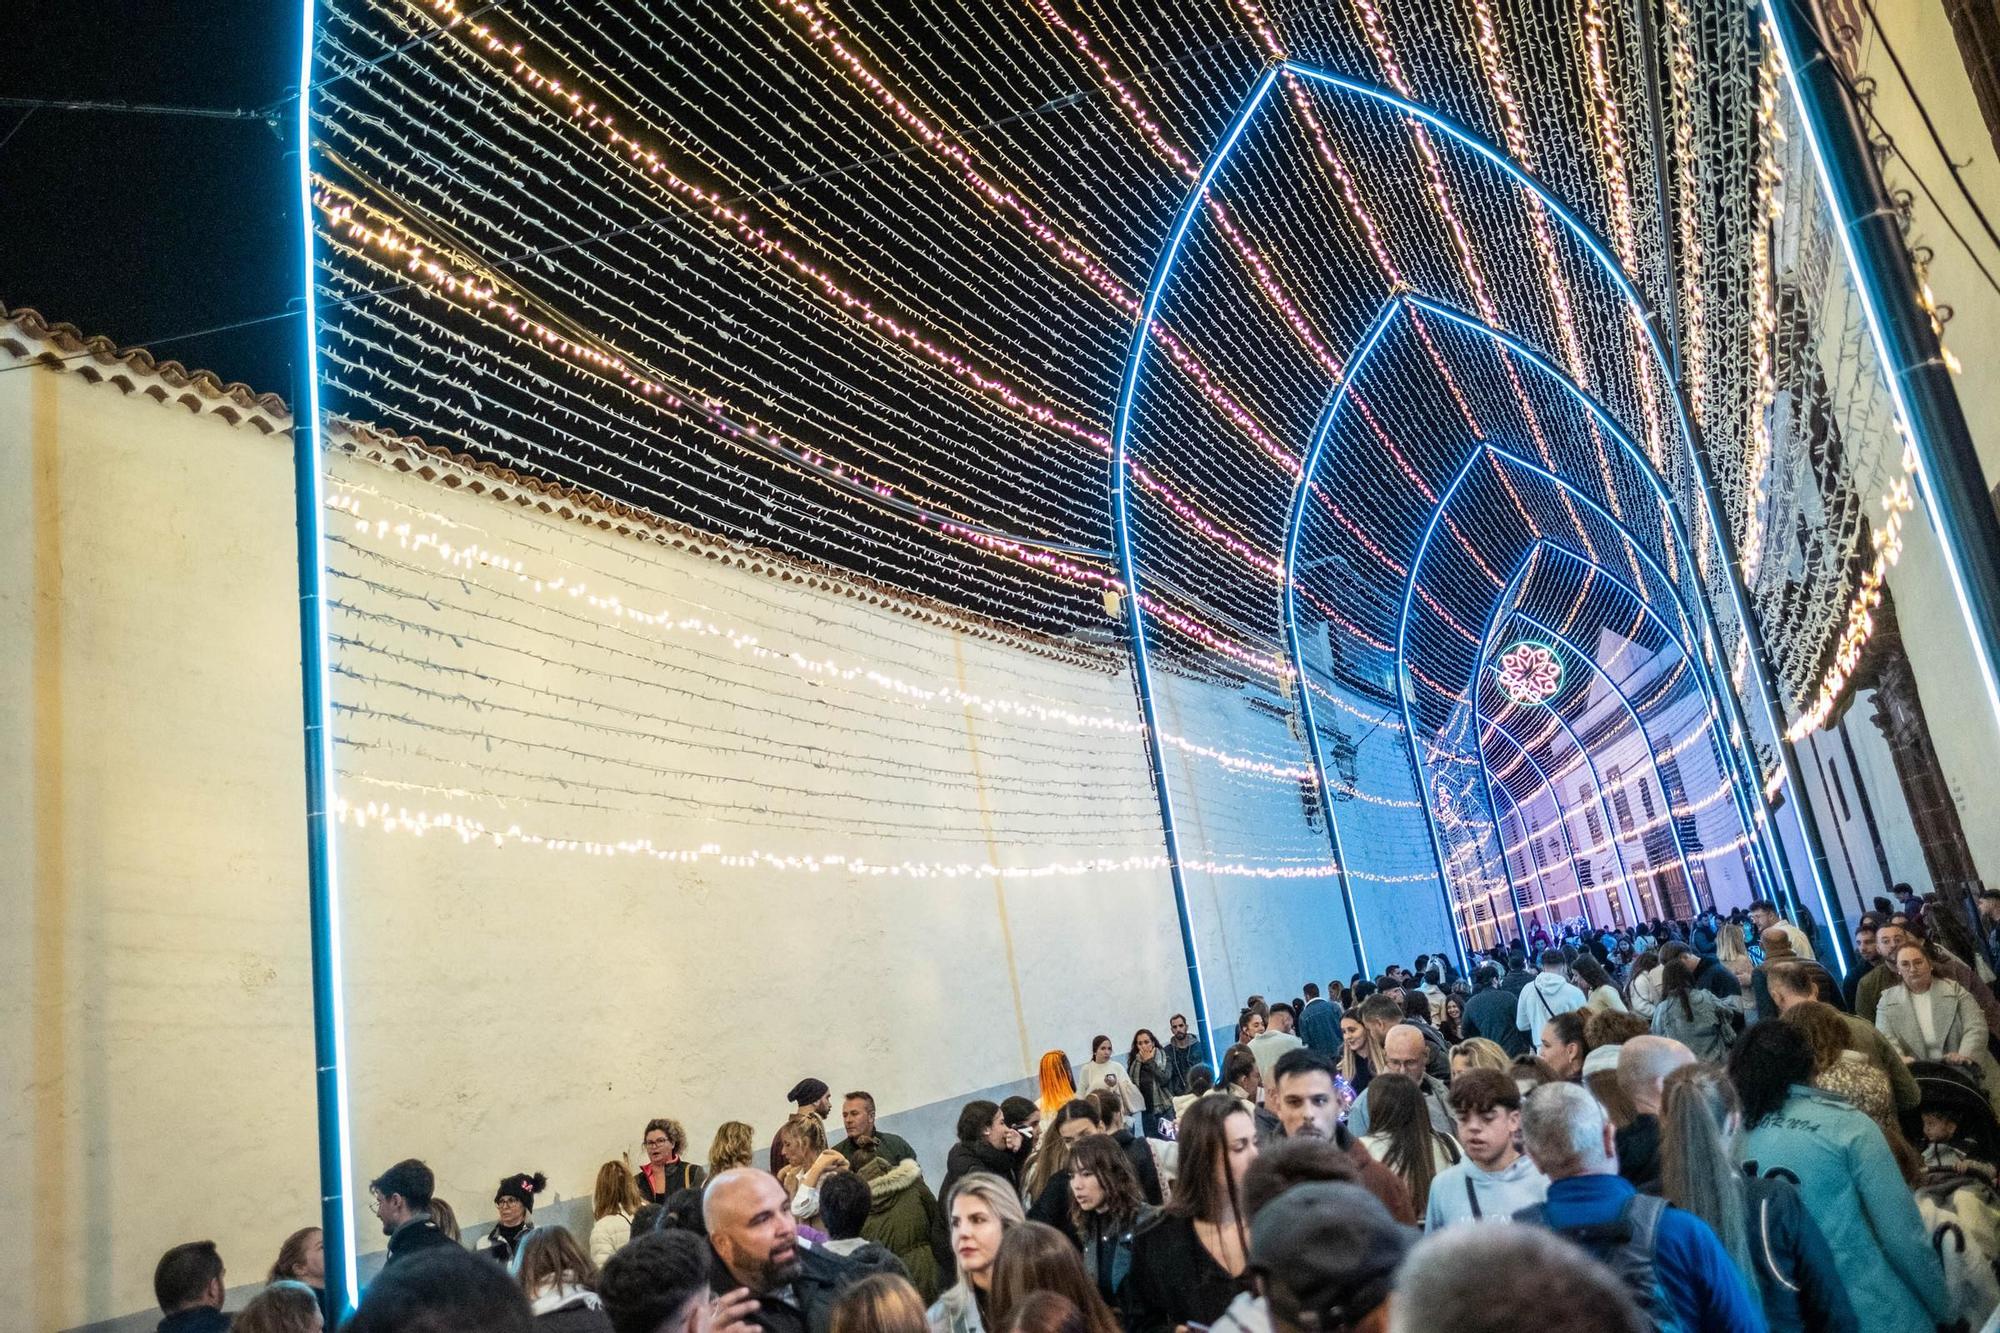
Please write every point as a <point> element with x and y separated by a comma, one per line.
<point>1629,1246</point>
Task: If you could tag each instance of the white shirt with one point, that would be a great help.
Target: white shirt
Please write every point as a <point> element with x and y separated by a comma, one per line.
<point>1920,1005</point>
<point>1090,1077</point>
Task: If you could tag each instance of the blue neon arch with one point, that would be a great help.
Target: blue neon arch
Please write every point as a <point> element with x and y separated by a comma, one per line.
<point>1122,439</point>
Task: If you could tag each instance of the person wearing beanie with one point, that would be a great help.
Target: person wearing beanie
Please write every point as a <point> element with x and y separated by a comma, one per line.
<point>515,1200</point>
<point>810,1097</point>
<point>1325,1256</point>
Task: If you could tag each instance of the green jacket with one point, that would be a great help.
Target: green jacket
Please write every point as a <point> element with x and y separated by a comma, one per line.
<point>902,1220</point>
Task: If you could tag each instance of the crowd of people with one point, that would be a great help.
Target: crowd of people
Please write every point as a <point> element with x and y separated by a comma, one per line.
<point>1688,1125</point>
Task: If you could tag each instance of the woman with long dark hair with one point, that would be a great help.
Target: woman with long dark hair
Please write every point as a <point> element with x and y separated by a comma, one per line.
<point>1452,1025</point>
<point>1762,1223</point>
<point>1106,1201</point>
<point>1190,1260</point>
<point>1147,1064</point>
<point>1595,983</point>
<point>1846,1177</point>
<point>1402,1138</point>
<point>1688,1013</point>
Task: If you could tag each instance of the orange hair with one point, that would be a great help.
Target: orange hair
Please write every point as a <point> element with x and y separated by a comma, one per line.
<point>1057,1085</point>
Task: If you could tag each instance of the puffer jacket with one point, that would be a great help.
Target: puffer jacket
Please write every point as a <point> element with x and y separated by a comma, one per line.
<point>902,1219</point>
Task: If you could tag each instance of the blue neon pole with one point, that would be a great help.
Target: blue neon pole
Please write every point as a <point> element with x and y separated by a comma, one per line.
<point>322,877</point>
<point>1128,565</point>
<point>1294,525</point>
<point>1645,738</point>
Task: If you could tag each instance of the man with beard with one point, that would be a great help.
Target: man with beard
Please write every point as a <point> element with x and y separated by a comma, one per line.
<point>758,1256</point>
<point>402,1200</point>
<point>1308,1107</point>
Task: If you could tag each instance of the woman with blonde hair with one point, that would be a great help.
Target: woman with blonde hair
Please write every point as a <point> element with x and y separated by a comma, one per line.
<point>1478,1053</point>
<point>1844,1071</point>
<point>732,1147</point>
<point>1763,1225</point>
<point>612,1204</point>
<point>1360,1057</point>
<point>1058,1085</point>
<point>1734,954</point>
<point>802,1140</point>
<point>445,1218</point>
<point>881,1303</point>
<point>982,1209</point>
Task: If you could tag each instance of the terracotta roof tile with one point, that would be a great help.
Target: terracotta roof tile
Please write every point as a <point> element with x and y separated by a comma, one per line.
<point>26,336</point>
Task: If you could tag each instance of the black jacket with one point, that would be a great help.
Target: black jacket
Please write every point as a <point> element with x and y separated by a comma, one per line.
<point>1490,1014</point>
<point>1639,1153</point>
<point>414,1237</point>
<point>201,1319</point>
<point>822,1277</point>
<point>1174,1280</point>
<point>1796,1275</point>
<point>978,1155</point>
<point>1141,1157</point>
<point>678,1176</point>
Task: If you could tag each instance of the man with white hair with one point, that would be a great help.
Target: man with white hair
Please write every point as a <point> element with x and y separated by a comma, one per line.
<point>1675,1267</point>
<point>1643,1065</point>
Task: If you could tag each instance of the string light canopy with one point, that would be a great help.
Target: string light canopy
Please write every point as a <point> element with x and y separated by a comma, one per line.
<point>1254,349</point>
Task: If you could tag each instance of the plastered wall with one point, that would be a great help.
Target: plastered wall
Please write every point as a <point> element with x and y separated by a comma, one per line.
<point>511,1006</point>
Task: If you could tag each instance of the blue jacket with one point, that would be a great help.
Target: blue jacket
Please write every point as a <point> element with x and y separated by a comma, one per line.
<point>1319,1026</point>
<point>1694,1270</point>
<point>1850,1186</point>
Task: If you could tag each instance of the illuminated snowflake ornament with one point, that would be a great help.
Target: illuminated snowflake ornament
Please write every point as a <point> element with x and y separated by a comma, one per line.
<point>1530,673</point>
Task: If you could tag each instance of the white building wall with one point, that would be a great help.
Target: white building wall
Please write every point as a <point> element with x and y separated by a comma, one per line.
<point>511,1007</point>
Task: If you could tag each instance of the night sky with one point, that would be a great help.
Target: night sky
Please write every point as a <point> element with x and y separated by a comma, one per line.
<point>141,226</point>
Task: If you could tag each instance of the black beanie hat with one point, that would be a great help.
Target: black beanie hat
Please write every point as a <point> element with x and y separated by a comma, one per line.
<point>523,1187</point>
<point>806,1091</point>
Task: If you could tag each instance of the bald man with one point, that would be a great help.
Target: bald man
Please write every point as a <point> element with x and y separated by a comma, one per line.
<point>1404,1052</point>
<point>758,1256</point>
<point>1643,1066</point>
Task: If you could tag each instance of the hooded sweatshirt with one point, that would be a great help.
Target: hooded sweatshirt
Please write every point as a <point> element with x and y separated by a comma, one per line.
<point>1544,998</point>
<point>1498,1194</point>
